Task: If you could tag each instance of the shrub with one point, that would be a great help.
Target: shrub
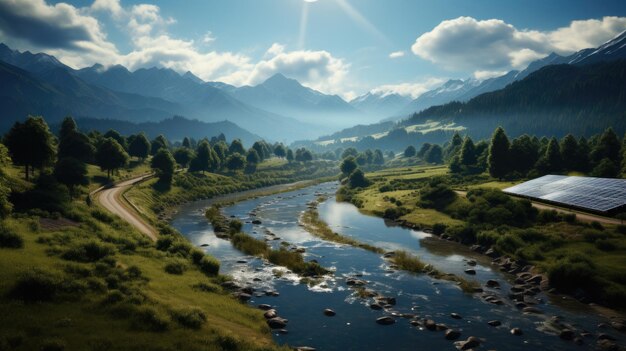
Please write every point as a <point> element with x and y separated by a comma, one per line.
<point>597,225</point>
<point>148,318</point>
<point>235,226</point>
<point>607,244</point>
<point>437,196</point>
<point>164,243</point>
<point>209,266</point>
<point>439,228</point>
<point>192,318</point>
<point>488,237</point>
<point>10,239</point>
<point>176,267</point>
<point>464,233</point>
<point>36,285</point>
<point>395,213</point>
<point>52,345</point>
<point>102,216</point>
<point>88,251</point>
<point>207,287</point>
<point>569,217</point>
<point>196,256</point>
<point>180,248</point>
<point>572,272</point>
<point>248,245</point>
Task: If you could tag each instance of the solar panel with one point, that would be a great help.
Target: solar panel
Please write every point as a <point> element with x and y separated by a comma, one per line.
<point>594,194</point>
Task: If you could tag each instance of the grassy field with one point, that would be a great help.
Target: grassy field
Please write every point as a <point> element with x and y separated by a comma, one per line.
<point>85,280</point>
<point>98,178</point>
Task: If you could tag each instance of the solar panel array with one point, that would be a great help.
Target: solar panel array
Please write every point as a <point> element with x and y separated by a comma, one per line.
<point>595,194</point>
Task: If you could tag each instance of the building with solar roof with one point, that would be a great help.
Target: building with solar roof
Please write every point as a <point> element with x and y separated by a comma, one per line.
<point>606,196</point>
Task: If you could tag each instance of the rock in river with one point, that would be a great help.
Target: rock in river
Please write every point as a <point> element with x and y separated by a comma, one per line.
<point>470,343</point>
<point>328,312</point>
<point>265,307</point>
<point>492,283</point>
<point>452,334</point>
<point>517,331</point>
<point>470,271</point>
<point>385,320</point>
<point>455,315</point>
<point>494,323</point>
<point>269,314</point>
<point>277,323</point>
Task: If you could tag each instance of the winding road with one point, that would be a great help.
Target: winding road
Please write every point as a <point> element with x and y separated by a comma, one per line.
<point>112,199</point>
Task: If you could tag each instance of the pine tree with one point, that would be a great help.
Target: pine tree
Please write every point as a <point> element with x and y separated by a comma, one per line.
<point>498,161</point>
<point>31,144</point>
<point>468,152</point>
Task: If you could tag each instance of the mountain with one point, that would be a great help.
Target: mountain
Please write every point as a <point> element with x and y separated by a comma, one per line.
<point>613,49</point>
<point>288,97</point>
<point>449,91</point>
<point>35,63</point>
<point>555,100</point>
<point>176,128</point>
<point>23,93</point>
<point>207,102</point>
<point>380,104</point>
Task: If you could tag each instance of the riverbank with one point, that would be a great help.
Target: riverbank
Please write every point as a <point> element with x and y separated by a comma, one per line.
<point>583,260</point>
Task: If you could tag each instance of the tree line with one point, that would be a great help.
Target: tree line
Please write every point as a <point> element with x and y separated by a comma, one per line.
<point>32,145</point>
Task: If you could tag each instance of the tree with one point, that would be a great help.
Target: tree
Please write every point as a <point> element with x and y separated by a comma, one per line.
<point>410,151</point>
<point>187,143</point>
<point>252,157</point>
<point>434,154</point>
<point>453,148</point>
<point>606,168</point>
<point>76,145</point>
<point>112,133</point>
<point>235,162</point>
<point>303,155</point>
<point>553,161</point>
<point>379,159</point>
<point>348,165</point>
<point>204,158</point>
<point>236,147</point>
<point>357,179</point>
<point>290,155</point>
<point>164,165</point>
<point>71,172</point>
<point>31,144</point>
<point>111,156</point>
<point>262,150</point>
<point>609,146</point>
<point>160,142</point>
<point>280,151</point>
<point>221,149</point>
<point>525,152</point>
<point>498,160</point>
<point>183,156</point>
<point>468,152</point>
<point>139,147</point>
<point>425,147</point>
<point>68,126</point>
<point>455,164</point>
<point>582,158</point>
<point>361,159</point>
<point>349,152</point>
<point>569,152</point>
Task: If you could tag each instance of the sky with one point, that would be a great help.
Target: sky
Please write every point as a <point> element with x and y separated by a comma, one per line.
<point>344,47</point>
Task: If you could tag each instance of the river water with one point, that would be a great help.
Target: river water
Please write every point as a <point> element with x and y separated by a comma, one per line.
<point>354,325</point>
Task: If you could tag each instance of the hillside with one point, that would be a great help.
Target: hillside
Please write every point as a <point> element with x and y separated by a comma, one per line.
<point>555,100</point>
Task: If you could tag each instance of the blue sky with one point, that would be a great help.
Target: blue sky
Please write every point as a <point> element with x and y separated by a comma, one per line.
<point>336,46</point>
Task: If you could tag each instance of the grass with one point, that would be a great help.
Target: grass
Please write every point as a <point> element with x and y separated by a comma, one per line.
<point>98,178</point>
<point>101,285</point>
<point>314,225</point>
<point>251,246</point>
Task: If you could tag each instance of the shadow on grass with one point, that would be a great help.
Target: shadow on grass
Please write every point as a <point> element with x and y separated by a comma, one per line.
<point>162,186</point>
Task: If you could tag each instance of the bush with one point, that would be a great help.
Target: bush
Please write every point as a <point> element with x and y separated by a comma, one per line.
<point>102,216</point>
<point>207,287</point>
<point>10,239</point>
<point>235,226</point>
<point>36,285</point>
<point>248,245</point>
<point>439,228</point>
<point>464,233</point>
<point>488,237</point>
<point>88,251</point>
<point>52,345</point>
<point>176,267</point>
<point>572,272</point>
<point>180,248</point>
<point>209,266</point>
<point>196,255</point>
<point>607,244</point>
<point>597,225</point>
<point>508,243</point>
<point>164,243</point>
<point>437,196</point>
<point>148,318</point>
<point>395,213</point>
<point>192,318</point>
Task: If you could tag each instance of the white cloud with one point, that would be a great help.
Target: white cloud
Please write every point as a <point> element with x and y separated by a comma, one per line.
<point>208,37</point>
<point>493,45</point>
<point>482,75</point>
<point>396,54</point>
<point>412,90</point>
<point>111,6</point>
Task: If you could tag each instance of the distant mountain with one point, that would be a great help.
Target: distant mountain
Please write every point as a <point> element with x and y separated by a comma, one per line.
<point>175,128</point>
<point>380,104</point>
<point>23,93</point>
<point>614,49</point>
<point>555,100</point>
<point>288,97</point>
<point>34,63</point>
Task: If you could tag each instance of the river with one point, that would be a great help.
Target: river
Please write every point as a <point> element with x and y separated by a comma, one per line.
<point>354,326</point>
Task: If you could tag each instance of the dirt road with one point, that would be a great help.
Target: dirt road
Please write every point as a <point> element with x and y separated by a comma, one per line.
<point>581,216</point>
<point>112,200</point>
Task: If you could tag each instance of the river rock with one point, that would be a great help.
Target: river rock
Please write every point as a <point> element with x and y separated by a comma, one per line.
<point>517,331</point>
<point>603,336</point>
<point>470,271</point>
<point>277,323</point>
<point>430,324</point>
<point>385,320</point>
<point>492,283</point>
<point>531,309</point>
<point>269,314</point>
<point>452,334</point>
<point>282,331</point>
<point>355,282</point>
<point>304,348</point>
<point>204,245</point>
<point>468,344</point>
<point>566,334</point>
<point>607,345</point>
<point>494,323</point>
<point>386,300</point>
<point>256,221</point>
<point>471,262</point>
<point>242,296</point>
<point>441,326</point>
<point>328,312</point>
<point>376,306</point>
<point>264,307</point>
<point>455,315</point>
